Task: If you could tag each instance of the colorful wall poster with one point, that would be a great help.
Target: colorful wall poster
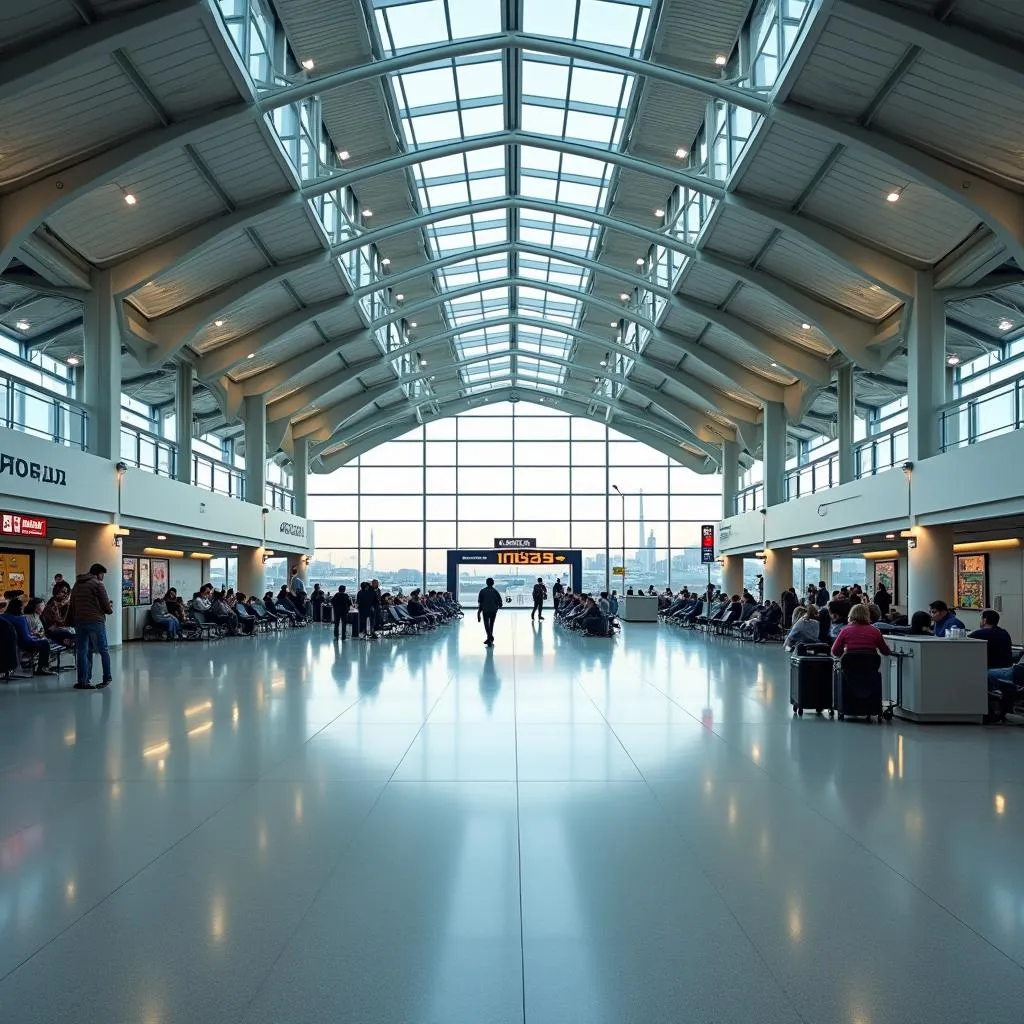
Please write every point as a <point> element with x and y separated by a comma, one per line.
<point>971,581</point>
<point>885,575</point>
<point>145,593</point>
<point>129,582</point>
<point>159,576</point>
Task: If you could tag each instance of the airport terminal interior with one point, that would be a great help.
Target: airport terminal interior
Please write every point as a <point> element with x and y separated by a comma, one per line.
<point>696,326</point>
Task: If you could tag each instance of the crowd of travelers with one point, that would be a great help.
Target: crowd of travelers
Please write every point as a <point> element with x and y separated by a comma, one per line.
<point>584,613</point>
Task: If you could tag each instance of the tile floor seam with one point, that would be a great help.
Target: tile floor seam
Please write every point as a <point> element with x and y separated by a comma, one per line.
<point>674,827</point>
<point>356,832</point>
<point>789,788</point>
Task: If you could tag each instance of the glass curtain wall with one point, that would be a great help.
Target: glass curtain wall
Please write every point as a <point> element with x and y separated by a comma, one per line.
<point>511,471</point>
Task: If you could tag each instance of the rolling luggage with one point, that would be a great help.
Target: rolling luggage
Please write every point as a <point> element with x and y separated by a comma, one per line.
<point>858,685</point>
<point>810,678</point>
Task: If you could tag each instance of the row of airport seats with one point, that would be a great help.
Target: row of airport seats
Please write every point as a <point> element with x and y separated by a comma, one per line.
<point>739,618</point>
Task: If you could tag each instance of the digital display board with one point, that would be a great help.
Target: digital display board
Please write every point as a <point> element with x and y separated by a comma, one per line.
<point>707,544</point>
<point>530,557</point>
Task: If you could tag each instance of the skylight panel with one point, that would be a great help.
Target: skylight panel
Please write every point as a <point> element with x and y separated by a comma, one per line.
<point>441,167</point>
<point>607,23</point>
<point>584,167</point>
<point>542,120</point>
<point>541,78</point>
<point>600,87</point>
<point>491,236</point>
<point>474,18</point>
<point>538,236</point>
<point>482,120</point>
<point>480,79</point>
<point>447,195</point>
<point>489,159</point>
<point>541,159</point>
<point>425,88</point>
<point>550,17</point>
<point>594,128</point>
<point>579,195</point>
<point>415,24</point>
<point>486,188</point>
<point>539,188</point>
<point>429,128</point>
<point>453,243</point>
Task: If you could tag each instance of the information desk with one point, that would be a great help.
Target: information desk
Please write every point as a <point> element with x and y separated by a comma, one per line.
<point>943,680</point>
<point>638,609</point>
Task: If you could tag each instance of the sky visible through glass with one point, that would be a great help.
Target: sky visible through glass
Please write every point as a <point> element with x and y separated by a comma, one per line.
<point>555,99</point>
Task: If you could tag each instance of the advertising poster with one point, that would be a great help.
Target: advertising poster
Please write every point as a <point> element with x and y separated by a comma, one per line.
<point>145,594</point>
<point>885,576</point>
<point>129,582</point>
<point>159,576</point>
<point>971,581</point>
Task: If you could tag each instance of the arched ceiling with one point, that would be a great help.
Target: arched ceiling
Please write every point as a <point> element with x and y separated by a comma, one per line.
<point>619,205</point>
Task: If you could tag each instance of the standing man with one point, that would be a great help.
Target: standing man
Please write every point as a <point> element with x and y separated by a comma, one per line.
<point>540,593</point>
<point>488,603</point>
<point>88,611</point>
<point>556,593</point>
<point>341,605</point>
<point>297,589</point>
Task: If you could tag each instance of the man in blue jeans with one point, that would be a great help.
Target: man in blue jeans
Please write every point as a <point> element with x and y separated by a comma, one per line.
<point>90,606</point>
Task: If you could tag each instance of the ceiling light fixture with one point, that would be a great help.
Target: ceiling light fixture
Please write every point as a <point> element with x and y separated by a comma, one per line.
<point>875,288</point>
<point>218,323</point>
<point>815,545</point>
<point>234,547</point>
<point>894,196</point>
<point>890,536</point>
<point>721,60</point>
<point>659,213</point>
<point>130,198</point>
<point>775,364</point>
<point>23,325</point>
<point>206,543</point>
<point>806,327</point>
<point>682,153</point>
<point>367,213</point>
<point>161,536</point>
<point>624,296</point>
<point>308,64</point>
<point>953,360</point>
<point>856,540</point>
<point>73,360</point>
<point>343,155</point>
<point>640,261</point>
<point>604,360</point>
<point>1005,325</point>
<point>423,361</point>
<point>399,297</point>
<point>412,323</point>
<point>385,262</point>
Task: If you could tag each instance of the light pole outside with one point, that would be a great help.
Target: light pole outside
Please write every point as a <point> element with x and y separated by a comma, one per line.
<point>623,497</point>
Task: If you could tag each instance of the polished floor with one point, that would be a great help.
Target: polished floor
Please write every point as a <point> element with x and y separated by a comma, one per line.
<point>558,830</point>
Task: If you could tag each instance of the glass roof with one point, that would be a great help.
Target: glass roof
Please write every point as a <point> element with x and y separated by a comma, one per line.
<point>553,98</point>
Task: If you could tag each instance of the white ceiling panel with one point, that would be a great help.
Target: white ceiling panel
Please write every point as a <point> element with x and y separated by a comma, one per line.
<point>172,195</point>
<point>23,24</point>
<point>998,17</point>
<point>738,235</point>
<point>775,317</point>
<point>242,164</point>
<point>784,165</point>
<point>693,32</point>
<point>69,116</point>
<point>318,283</point>
<point>255,310</point>
<point>708,285</point>
<point>289,234</point>
<point>210,270</point>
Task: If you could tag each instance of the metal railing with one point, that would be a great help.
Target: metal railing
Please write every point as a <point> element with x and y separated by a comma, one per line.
<point>750,498</point>
<point>148,451</point>
<point>819,475</point>
<point>280,498</point>
<point>997,409</point>
<point>220,477</point>
<point>880,452</point>
<point>36,411</point>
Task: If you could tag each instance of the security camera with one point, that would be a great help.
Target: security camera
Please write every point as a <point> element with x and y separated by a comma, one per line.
<point>122,467</point>
<point>908,467</point>
<point>763,511</point>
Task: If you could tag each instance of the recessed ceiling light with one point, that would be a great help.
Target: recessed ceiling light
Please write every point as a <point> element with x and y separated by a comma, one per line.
<point>412,323</point>
<point>1005,325</point>
<point>806,327</point>
<point>367,213</point>
<point>309,64</point>
<point>890,536</point>
<point>794,549</point>
<point>815,545</point>
<point>775,364</point>
<point>385,262</point>
<point>659,212</point>
<point>251,355</point>
<point>433,376</point>
<point>23,325</point>
<point>953,360</point>
<point>218,323</point>
<point>613,323</point>
<point>73,360</point>
<point>604,362</point>
<point>423,361</point>
<point>597,380</point>
<point>894,195</point>
<point>721,60</point>
<point>624,296</point>
<point>234,547</point>
<point>682,153</point>
<point>640,261</point>
<point>206,543</point>
<point>343,155</point>
<point>856,540</point>
<point>161,536</point>
<point>399,297</point>
<point>130,198</point>
<point>876,288</point>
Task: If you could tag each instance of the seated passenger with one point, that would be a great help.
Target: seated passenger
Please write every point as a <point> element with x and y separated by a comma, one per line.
<point>221,614</point>
<point>839,616</point>
<point>163,620</point>
<point>859,635</point>
<point>55,617</point>
<point>175,605</point>
<point>920,624</point>
<point>592,621</point>
<point>1000,644</point>
<point>768,622</point>
<point>943,619</point>
<point>805,628</point>
<point>39,647</point>
<point>33,607</point>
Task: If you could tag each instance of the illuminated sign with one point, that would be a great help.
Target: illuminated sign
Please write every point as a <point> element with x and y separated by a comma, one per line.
<point>707,545</point>
<point>618,570</point>
<point>515,542</point>
<point>530,557</point>
<point>22,526</point>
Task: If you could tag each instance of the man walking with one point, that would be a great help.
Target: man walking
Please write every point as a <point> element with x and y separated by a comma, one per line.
<point>88,611</point>
<point>341,605</point>
<point>488,603</point>
<point>540,593</point>
<point>557,592</point>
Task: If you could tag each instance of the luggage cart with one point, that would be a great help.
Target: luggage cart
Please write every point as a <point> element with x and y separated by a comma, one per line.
<point>895,669</point>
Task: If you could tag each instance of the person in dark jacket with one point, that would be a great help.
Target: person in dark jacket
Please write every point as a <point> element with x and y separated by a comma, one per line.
<point>883,599</point>
<point>38,646</point>
<point>488,604</point>
<point>788,603</point>
<point>341,605</point>
<point>366,603</point>
<point>557,593</point>
<point>540,593</point>
<point>822,596</point>
<point>316,599</point>
<point>1000,643</point>
<point>90,606</point>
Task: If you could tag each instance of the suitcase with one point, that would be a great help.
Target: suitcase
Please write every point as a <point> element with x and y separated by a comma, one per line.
<point>810,678</point>
<point>326,612</point>
<point>858,689</point>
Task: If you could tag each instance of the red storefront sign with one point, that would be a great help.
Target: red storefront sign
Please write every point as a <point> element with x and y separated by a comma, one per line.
<point>12,525</point>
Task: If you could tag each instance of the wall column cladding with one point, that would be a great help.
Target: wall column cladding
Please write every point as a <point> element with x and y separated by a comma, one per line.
<point>102,369</point>
<point>254,417</point>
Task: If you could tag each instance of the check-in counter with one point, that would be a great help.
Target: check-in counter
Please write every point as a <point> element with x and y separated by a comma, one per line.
<point>944,680</point>
<point>638,609</point>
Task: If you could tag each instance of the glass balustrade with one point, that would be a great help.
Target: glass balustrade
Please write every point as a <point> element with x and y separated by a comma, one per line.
<point>36,411</point>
